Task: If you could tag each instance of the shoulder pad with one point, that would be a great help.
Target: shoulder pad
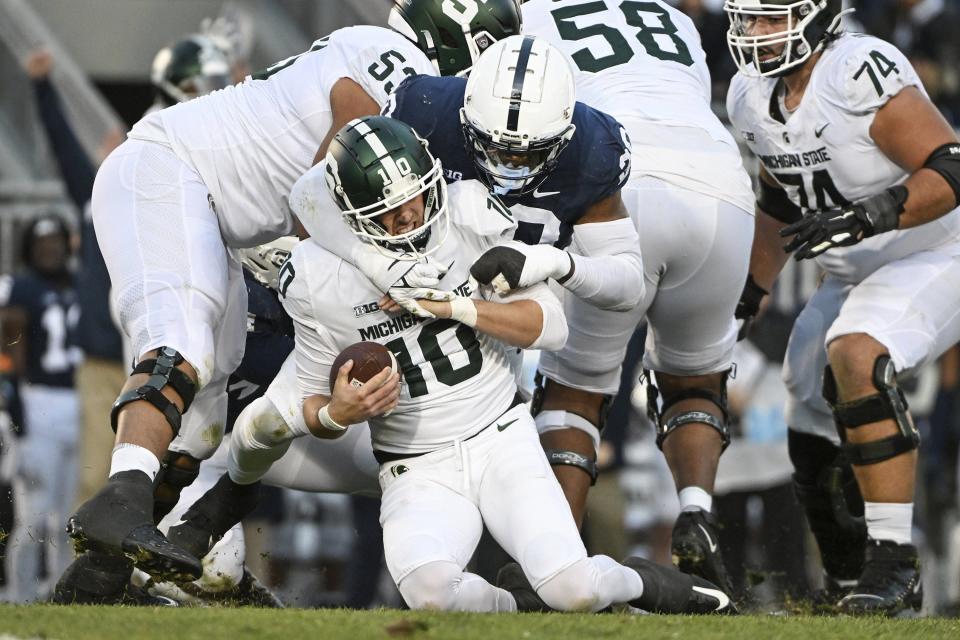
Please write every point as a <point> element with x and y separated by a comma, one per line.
<point>864,73</point>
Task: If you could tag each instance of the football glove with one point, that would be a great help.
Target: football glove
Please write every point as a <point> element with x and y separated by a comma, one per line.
<point>514,265</point>
<point>386,273</point>
<point>407,298</point>
<point>748,306</point>
<point>819,231</point>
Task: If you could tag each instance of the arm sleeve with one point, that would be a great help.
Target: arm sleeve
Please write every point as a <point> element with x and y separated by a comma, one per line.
<point>608,267</point>
<point>553,334</point>
<point>311,203</point>
<point>75,167</point>
<point>313,346</point>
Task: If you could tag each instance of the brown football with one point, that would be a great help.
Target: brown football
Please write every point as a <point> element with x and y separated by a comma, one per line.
<point>369,359</point>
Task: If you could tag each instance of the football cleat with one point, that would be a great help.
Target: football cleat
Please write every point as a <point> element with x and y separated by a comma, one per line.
<point>668,590</point>
<point>223,505</point>
<point>512,578</point>
<point>695,548</point>
<point>103,580</point>
<point>890,582</point>
<point>118,521</point>
<point>253,593</point>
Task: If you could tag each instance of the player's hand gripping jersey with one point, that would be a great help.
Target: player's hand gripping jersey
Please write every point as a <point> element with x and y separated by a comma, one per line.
<point>251,141</point>
<point>822,153</point>
<point>594,165</point>
<point>642,63</point>
<point>456,380</point>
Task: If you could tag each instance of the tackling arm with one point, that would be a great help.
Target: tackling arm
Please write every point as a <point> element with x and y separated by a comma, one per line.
<point>605,268</point>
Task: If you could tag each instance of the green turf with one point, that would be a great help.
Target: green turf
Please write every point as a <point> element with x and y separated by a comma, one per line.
<point>123,623</point>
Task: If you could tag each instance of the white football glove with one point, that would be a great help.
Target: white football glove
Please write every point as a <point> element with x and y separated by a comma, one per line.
<point>514,265</point>
<point>386,273</point>
<point>407,298</point>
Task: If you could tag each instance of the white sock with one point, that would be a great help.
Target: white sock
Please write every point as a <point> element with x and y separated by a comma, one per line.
<point>132,457</point>
<point>693,498</point>
<point>889,521</point>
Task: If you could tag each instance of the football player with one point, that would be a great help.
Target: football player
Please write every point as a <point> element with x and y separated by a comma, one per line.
<point>38,319</point>
<point>516,126</point>
<point>455,444</point>
<point>202,177</point>
<point>861,172</point>
<point>691,200</point>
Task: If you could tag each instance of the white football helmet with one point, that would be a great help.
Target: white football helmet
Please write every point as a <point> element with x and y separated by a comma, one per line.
<point>807,26</point>
<point>264,261</point>
<point>517,113</point>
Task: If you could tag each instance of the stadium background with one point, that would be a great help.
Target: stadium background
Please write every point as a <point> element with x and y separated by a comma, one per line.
<point>320,550</point>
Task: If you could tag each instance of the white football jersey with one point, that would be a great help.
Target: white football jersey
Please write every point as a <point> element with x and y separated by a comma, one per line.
<point>455,380</point>
<point>250,142</point>
<point>822,153</point>
<point>643,64</point>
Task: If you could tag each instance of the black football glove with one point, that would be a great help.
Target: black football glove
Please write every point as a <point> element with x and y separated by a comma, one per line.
<point>819,231</point>
<point>749,306</point>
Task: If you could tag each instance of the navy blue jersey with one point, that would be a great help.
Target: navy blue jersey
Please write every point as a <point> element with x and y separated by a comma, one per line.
<point>594,166</point>
<point>269,341</point>
<point>52,313</point>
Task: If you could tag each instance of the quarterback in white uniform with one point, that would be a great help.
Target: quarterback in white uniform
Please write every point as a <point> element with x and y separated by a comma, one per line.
<point>456,446</point>
<point>691,201</point>
<point>196,181</point>
<point>866,173</point>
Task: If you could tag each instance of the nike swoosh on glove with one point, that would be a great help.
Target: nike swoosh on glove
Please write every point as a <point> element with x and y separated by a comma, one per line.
<point>386,272</point>
<point>407,298</point>
<point>514,265</point>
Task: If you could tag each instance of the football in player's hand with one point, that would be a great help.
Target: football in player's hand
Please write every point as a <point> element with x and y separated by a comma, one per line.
<point>369,359</point>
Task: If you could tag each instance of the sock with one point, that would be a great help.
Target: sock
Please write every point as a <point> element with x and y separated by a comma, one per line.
<point>693,498</point>
<point>889,521</point>
<point>132,457</point>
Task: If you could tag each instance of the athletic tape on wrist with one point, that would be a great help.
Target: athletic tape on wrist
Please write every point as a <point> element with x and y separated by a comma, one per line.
<point>329,423</point>
<point>464,311</point>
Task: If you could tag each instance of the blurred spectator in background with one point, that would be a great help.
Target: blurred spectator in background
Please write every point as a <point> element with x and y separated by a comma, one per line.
<point>925,30</point>
<point>102,373</point>
<point>38,314</point>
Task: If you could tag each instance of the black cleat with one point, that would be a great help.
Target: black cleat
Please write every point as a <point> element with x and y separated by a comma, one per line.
<point>223,505</point>
<point>695,548</point>
<point>890,582</point>
<point>103,580</point>
<point>511,578</point>
<point>118,521</point>
<point>668,590</point>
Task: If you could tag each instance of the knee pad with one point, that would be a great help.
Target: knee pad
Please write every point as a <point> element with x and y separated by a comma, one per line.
<point>177,471</point>
<point>573,589</point>
<point>163,371</point>
<point>828,492</point>
<point>431,586</point>
<point>888,404</point>
<point>656,409</point>
<point>553,420</point>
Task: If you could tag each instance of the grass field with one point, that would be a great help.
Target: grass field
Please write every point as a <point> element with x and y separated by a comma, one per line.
<point>122,623</point>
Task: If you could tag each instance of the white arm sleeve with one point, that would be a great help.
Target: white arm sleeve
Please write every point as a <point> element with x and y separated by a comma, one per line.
<point>608,267</point>
<point>553,334</point>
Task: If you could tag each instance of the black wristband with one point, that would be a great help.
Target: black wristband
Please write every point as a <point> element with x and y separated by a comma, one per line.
<point>750,299</point>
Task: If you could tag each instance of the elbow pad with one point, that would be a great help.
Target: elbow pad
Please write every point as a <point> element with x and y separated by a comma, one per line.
<point>608,266</point>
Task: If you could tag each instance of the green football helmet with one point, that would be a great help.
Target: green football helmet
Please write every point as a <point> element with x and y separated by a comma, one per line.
<point>453,33</point>
<point>375,164</point>
<point>191,67</point>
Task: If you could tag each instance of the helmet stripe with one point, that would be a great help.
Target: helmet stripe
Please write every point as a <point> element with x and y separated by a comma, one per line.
<point>519,76</point>
<point>377,146</point>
